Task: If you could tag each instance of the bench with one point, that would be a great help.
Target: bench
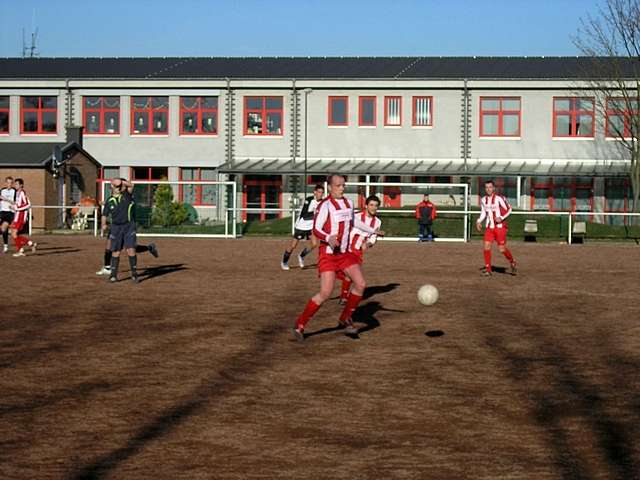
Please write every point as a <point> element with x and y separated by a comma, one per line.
<point>530,230</point>
<point>579,232</point>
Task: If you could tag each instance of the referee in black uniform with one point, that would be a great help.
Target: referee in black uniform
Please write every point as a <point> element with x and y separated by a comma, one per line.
<point>121,208</point>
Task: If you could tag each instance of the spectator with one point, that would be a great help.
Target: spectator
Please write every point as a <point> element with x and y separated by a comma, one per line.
<point>425,214</point>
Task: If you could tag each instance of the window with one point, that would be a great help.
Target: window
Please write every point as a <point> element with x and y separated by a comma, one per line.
<point>422,112</point>
<point>39,115</point>
<point>198,115</point>
<point>393,111</point>
<point>338,111</point>
<point>101,115</point>
<point>4,114</point>
<point>573,117</point>
<point>562,194</point>
<point>500,117</point>
<point>198,194</point>
<point>149,115</point>
<point>106,174</point>
<point>367,116</point>
<point>145,194</point>
<point>263,115</point>
<point>622,117</point>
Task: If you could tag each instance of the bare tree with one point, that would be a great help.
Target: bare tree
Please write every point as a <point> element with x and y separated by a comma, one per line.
<point>611,40</point>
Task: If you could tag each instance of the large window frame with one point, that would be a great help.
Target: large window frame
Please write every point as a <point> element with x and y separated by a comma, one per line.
<point>501,112</point>
<point>387,111</point>
<point>574,113</point>
<point>625,112</point>
<point>104,111</point>
<point>149,111</point>
<point>262,114</point>
<point>200,112</point>
<point>551,186</point>
<point>414,115</point>
<point>5,111</point>
<point>330,119</point>
<point>40,111</point>
<point>198,189</point>
<point>361,101</point>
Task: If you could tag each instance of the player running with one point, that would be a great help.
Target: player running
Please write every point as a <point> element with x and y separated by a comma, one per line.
<point>495,210</point>
<point>303,227</point>
<point>332,226</point>
<point>20,222</point>
<point>8,198</point>
<point>120,206</point>
<point>361,241</point>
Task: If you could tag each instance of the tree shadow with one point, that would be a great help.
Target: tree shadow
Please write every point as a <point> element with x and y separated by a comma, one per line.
<point>567,393</point>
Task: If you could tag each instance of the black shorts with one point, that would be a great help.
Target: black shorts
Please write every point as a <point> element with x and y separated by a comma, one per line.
<point>122,236</point>
<point>301,234</point>
<point>6,217</point>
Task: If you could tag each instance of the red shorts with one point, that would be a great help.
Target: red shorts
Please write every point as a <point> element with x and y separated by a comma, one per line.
<point>18,225</point>
<point>498,234</point>
<point>328,262</point>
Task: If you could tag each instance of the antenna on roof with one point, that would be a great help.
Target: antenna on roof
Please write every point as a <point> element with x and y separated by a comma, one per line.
<point>30,51</point>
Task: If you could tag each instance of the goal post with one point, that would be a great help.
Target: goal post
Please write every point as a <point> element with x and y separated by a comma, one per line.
<point>202,209</point>
<point>398,204</point>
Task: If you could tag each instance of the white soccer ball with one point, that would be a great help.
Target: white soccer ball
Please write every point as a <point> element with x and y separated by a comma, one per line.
<point>427,294</point>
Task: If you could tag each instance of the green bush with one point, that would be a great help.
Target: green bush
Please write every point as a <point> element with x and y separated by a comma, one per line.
<point>166,212</point>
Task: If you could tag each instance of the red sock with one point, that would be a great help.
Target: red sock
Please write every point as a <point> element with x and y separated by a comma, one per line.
<point>352,303</point>
<point>346,286</point>
<point>507,254</point>
<point>19,241</point>
<point>309,311</point>
<point>487,259</point>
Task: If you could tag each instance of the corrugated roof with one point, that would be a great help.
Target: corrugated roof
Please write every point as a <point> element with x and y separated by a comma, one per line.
<point>430,167</point>
<point>308,67</point>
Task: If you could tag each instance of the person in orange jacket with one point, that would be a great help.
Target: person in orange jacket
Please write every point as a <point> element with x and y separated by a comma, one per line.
<point>425,214</point>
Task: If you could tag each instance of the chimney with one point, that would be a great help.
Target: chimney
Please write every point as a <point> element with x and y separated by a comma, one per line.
<point>74,134</point>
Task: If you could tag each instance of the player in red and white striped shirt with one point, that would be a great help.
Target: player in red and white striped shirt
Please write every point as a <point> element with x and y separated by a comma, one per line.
<point>495,210</point>
<point>361,241</point>
<point>20,220</point>
<point>332,225</point>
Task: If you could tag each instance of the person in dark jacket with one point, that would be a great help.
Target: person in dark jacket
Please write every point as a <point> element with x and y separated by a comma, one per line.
<point>425,214</point>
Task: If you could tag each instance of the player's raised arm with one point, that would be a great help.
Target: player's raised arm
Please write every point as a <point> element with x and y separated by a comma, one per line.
<point>128,185</point>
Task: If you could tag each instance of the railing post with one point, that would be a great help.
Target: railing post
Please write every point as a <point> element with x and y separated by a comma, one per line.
<point>569,237</point>
<point>30,222</point>
<point>95,222</point>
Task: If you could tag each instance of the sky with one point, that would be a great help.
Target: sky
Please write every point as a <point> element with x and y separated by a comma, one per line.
<point>164,28</point>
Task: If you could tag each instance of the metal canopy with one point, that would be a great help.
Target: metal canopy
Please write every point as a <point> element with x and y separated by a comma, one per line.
<point>410,167</point>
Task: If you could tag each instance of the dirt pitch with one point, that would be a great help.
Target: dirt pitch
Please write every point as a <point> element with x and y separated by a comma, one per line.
<point>192,373</point>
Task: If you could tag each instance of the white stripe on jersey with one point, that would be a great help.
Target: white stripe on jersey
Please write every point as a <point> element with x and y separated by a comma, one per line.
<point>358,236</point>
<point>334,218</point>
<point>492,207</point>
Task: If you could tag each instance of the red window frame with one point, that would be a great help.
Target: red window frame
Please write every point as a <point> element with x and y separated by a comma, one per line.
<point>501,113</point>
<point>7,111</point>
<point>198,201</point>
<point>199,110</point>
<point>149,111</point>
<point>574,113</point>
<point>39,111</point>
<point>414,122</point>
<point>626,114</point>
<point>386,111</point>
<point>346,111</point>
<point>550,186</point>
<point>264,112</point>
<point>100,111</point>
<point>270,181</point>
<point>361,100</point>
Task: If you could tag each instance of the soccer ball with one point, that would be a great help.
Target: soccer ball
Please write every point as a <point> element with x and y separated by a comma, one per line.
<point>427,294</point>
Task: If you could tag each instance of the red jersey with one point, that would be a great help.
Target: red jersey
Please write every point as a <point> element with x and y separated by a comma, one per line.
<point>22,207</point>
<point>334,217</point>
<point>494,206</point>
<point>358,236</point>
